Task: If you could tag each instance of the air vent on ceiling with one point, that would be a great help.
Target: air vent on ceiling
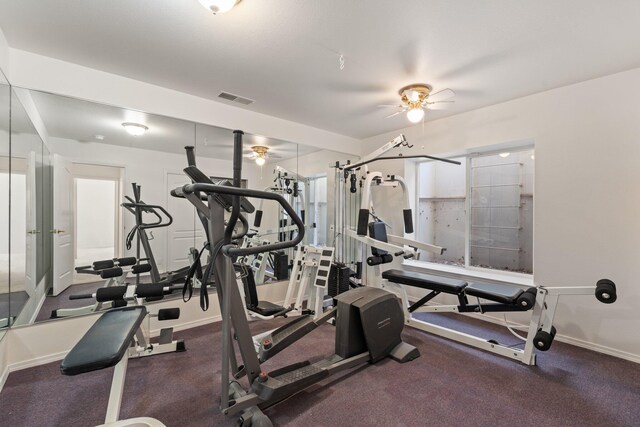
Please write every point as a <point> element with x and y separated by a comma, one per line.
<point>235,98</point>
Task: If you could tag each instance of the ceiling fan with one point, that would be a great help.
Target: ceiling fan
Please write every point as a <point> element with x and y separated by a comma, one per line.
<point>260,153</point>
<point>417,97</point>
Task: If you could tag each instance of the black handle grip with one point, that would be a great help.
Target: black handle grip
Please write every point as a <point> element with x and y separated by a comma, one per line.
<point>258,219</point>
<point>191,155</point>
<point>234,191</point>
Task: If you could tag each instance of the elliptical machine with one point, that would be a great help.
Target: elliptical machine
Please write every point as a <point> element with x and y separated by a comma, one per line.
<point>368,321</point>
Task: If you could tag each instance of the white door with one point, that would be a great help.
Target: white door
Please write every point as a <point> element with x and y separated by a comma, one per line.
<point>186,231</point>
<point>63,224</point>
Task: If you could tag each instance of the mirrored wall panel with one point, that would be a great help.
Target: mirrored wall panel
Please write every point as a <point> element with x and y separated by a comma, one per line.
<point>92,205</point>
<point>5,115</point>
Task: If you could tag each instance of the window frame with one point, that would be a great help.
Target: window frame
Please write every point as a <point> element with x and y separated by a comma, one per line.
<point>468,270</point>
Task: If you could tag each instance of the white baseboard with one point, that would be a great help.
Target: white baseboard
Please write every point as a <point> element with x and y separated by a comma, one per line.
<point>37,361</point>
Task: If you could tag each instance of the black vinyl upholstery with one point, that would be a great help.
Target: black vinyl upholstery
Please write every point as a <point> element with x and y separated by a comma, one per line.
<point>507,294</point>
<point>266,308</point>
<point>106,342</point>
<point>425,281</point>
<point>263,308</point>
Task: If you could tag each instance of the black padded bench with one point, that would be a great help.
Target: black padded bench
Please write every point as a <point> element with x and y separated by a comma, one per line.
<point>425,281</point>
<point>104,345</point>
<point>506,294</point>
<point>508,297</point>
<point>106,342</point>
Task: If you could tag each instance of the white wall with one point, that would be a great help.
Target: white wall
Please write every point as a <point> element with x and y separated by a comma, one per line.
<point>38,72</point>
<point>587,203</point>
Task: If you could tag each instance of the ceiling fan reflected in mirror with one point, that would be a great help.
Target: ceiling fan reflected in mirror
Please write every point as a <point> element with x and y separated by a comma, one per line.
<point>260,153</point>
<point>417,97</point>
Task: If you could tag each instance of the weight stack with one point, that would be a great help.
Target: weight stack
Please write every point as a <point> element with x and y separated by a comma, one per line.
<point>338,279</point>
<point>281,265</point>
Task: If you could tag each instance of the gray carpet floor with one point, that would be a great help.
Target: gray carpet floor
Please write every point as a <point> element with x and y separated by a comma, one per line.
<point>450,384</point>
<point>11,303</point>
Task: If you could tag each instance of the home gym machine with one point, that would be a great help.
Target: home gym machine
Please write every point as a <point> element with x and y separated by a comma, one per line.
<point>295,189</point>
<point>368,320</point>
<point>491,297</point>
<point>139,209</point>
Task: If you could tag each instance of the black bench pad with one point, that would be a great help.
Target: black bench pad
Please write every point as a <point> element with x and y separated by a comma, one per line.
<point>266,308</point>
<point>106,342</point>
<point>507,294</point>
<point>425,281</point>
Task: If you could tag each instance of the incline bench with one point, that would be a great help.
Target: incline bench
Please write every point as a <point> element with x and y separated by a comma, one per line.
<point>104,345</point>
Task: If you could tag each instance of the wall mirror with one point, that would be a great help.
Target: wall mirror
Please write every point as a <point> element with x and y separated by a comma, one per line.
<point>5,115</point>
<point>92,182</point>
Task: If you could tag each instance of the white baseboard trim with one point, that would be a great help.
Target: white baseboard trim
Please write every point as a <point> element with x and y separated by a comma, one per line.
<point>37,361</point>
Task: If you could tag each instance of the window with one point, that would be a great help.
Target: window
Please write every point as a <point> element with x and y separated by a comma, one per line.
<point>480,211</point>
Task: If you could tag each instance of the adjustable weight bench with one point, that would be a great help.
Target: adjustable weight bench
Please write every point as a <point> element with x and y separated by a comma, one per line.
<point>541,300</point>
<point>104,345</point>
<point>504,297</point>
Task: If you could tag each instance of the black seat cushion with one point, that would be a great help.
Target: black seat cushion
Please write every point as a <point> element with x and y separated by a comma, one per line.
<point>425,281</point>
<point>266,308</point>
<point>507,294</point>
<point>106,342</point>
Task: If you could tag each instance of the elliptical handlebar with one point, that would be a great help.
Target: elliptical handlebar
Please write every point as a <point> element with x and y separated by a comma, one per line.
<point>231,250</point>
<point>131,207</point>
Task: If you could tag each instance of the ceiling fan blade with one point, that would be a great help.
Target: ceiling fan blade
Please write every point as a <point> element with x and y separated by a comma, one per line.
<point>441,95</point>
<point>390,106</point>
<point>394,114</point>
<point>439,105</point>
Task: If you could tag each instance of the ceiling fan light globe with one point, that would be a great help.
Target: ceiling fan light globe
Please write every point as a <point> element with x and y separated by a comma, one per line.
<point>415,115</point>
<point>260,161</point>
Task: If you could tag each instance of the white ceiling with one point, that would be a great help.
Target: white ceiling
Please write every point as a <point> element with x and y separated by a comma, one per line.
<point>79,120</point>
<point>284,53</point>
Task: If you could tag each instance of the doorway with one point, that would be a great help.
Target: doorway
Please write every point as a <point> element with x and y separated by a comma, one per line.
<point>97,198</point>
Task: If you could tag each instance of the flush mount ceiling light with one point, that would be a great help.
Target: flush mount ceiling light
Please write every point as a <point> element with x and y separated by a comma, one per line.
<point>504,155</point>
<point>135,129</point>
<point>416,98</point>
<point>219,6</point>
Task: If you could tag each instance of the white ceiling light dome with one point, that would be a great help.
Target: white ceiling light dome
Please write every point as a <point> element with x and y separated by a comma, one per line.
<point>135,129</point>
<point>219,6</point>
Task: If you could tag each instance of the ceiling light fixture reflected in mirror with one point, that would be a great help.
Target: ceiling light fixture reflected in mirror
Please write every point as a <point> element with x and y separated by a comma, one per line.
<point>260,161</point>
<point>135,129</point>
<point>219,6</point>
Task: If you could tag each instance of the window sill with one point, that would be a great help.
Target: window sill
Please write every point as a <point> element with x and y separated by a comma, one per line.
<point>471,273</point>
